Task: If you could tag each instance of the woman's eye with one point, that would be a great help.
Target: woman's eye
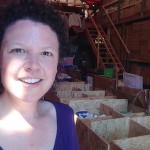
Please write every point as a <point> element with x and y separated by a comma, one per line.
<point>47,53</point>
<point>17,50</point>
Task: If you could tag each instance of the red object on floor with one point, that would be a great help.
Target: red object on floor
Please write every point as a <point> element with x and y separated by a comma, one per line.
<point>90,2</point>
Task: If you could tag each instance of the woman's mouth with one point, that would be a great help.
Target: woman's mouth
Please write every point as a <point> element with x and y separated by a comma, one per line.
<point>30,80</point>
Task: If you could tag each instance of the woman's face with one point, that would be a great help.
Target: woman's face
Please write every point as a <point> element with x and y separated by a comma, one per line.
<point>29,58</point>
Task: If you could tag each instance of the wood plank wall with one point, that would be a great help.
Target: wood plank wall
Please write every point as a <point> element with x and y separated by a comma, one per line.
<point>133,25</point>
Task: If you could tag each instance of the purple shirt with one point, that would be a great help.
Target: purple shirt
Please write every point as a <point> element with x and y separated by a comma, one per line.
<point>66,137</point>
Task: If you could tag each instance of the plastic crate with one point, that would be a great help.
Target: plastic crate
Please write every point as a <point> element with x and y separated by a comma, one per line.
<point>109,72</point>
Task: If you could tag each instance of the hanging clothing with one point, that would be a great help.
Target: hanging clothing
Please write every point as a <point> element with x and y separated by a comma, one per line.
<point>75,20</point>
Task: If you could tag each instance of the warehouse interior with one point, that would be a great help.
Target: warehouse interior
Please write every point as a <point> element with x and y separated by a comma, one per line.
<point>105,71</point>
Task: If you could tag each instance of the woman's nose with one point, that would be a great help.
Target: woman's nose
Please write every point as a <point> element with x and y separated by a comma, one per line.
<point>32,62</point>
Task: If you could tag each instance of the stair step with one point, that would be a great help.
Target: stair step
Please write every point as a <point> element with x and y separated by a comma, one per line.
<point>105,49</point>
<point>108,58</point>
<point>93,31</point>
<point>102,44</point>
<point>94,34</point>
<point>92,28</point>
<point>103,54</point>
<point>102,48</point>
<point>109,63</point>
<point>113,55</point>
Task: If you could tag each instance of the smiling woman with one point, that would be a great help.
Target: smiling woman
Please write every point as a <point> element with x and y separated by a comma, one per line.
<point>31,39</point>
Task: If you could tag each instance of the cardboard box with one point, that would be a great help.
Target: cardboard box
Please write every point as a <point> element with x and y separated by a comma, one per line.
<point>120,128</point>
<point>80,94</point>
<point>72,86</point>
<point>104,83</point>
<point>99,133</point>
<point>135,143</point>
<point>105,131</point>
<point>144,121</point>
<point>94,106</point>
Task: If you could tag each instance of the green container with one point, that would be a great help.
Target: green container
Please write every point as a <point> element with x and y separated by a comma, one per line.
<point>109,72</point>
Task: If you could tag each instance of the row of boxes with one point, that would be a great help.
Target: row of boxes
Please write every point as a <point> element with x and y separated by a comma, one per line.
<point>115,120</point>
<point>119,123</point>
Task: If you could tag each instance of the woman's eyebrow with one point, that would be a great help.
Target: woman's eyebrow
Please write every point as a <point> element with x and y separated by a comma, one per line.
<point>49,48</point>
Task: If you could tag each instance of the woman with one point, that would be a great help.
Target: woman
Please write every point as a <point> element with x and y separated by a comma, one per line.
<point>31,36</point>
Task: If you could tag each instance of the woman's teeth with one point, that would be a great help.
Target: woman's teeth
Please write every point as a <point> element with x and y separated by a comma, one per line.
<point>30,81</point>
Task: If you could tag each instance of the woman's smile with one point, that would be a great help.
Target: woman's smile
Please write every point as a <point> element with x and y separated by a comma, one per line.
<point>30,80</point>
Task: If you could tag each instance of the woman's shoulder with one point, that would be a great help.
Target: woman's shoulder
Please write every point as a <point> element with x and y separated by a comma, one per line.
<point>60,107</point>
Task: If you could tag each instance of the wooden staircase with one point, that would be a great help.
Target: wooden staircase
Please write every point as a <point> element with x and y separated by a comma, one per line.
<point>104,51</point>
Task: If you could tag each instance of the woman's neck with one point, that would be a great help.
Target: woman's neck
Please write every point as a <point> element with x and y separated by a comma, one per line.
<point>11,106</point>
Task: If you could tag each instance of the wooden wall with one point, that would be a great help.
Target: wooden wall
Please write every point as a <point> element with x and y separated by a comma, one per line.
<point>138,40</point>
<point>132,19</point>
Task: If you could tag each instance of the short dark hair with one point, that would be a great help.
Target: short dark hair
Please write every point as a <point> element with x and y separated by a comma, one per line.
<point>38,12</point>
